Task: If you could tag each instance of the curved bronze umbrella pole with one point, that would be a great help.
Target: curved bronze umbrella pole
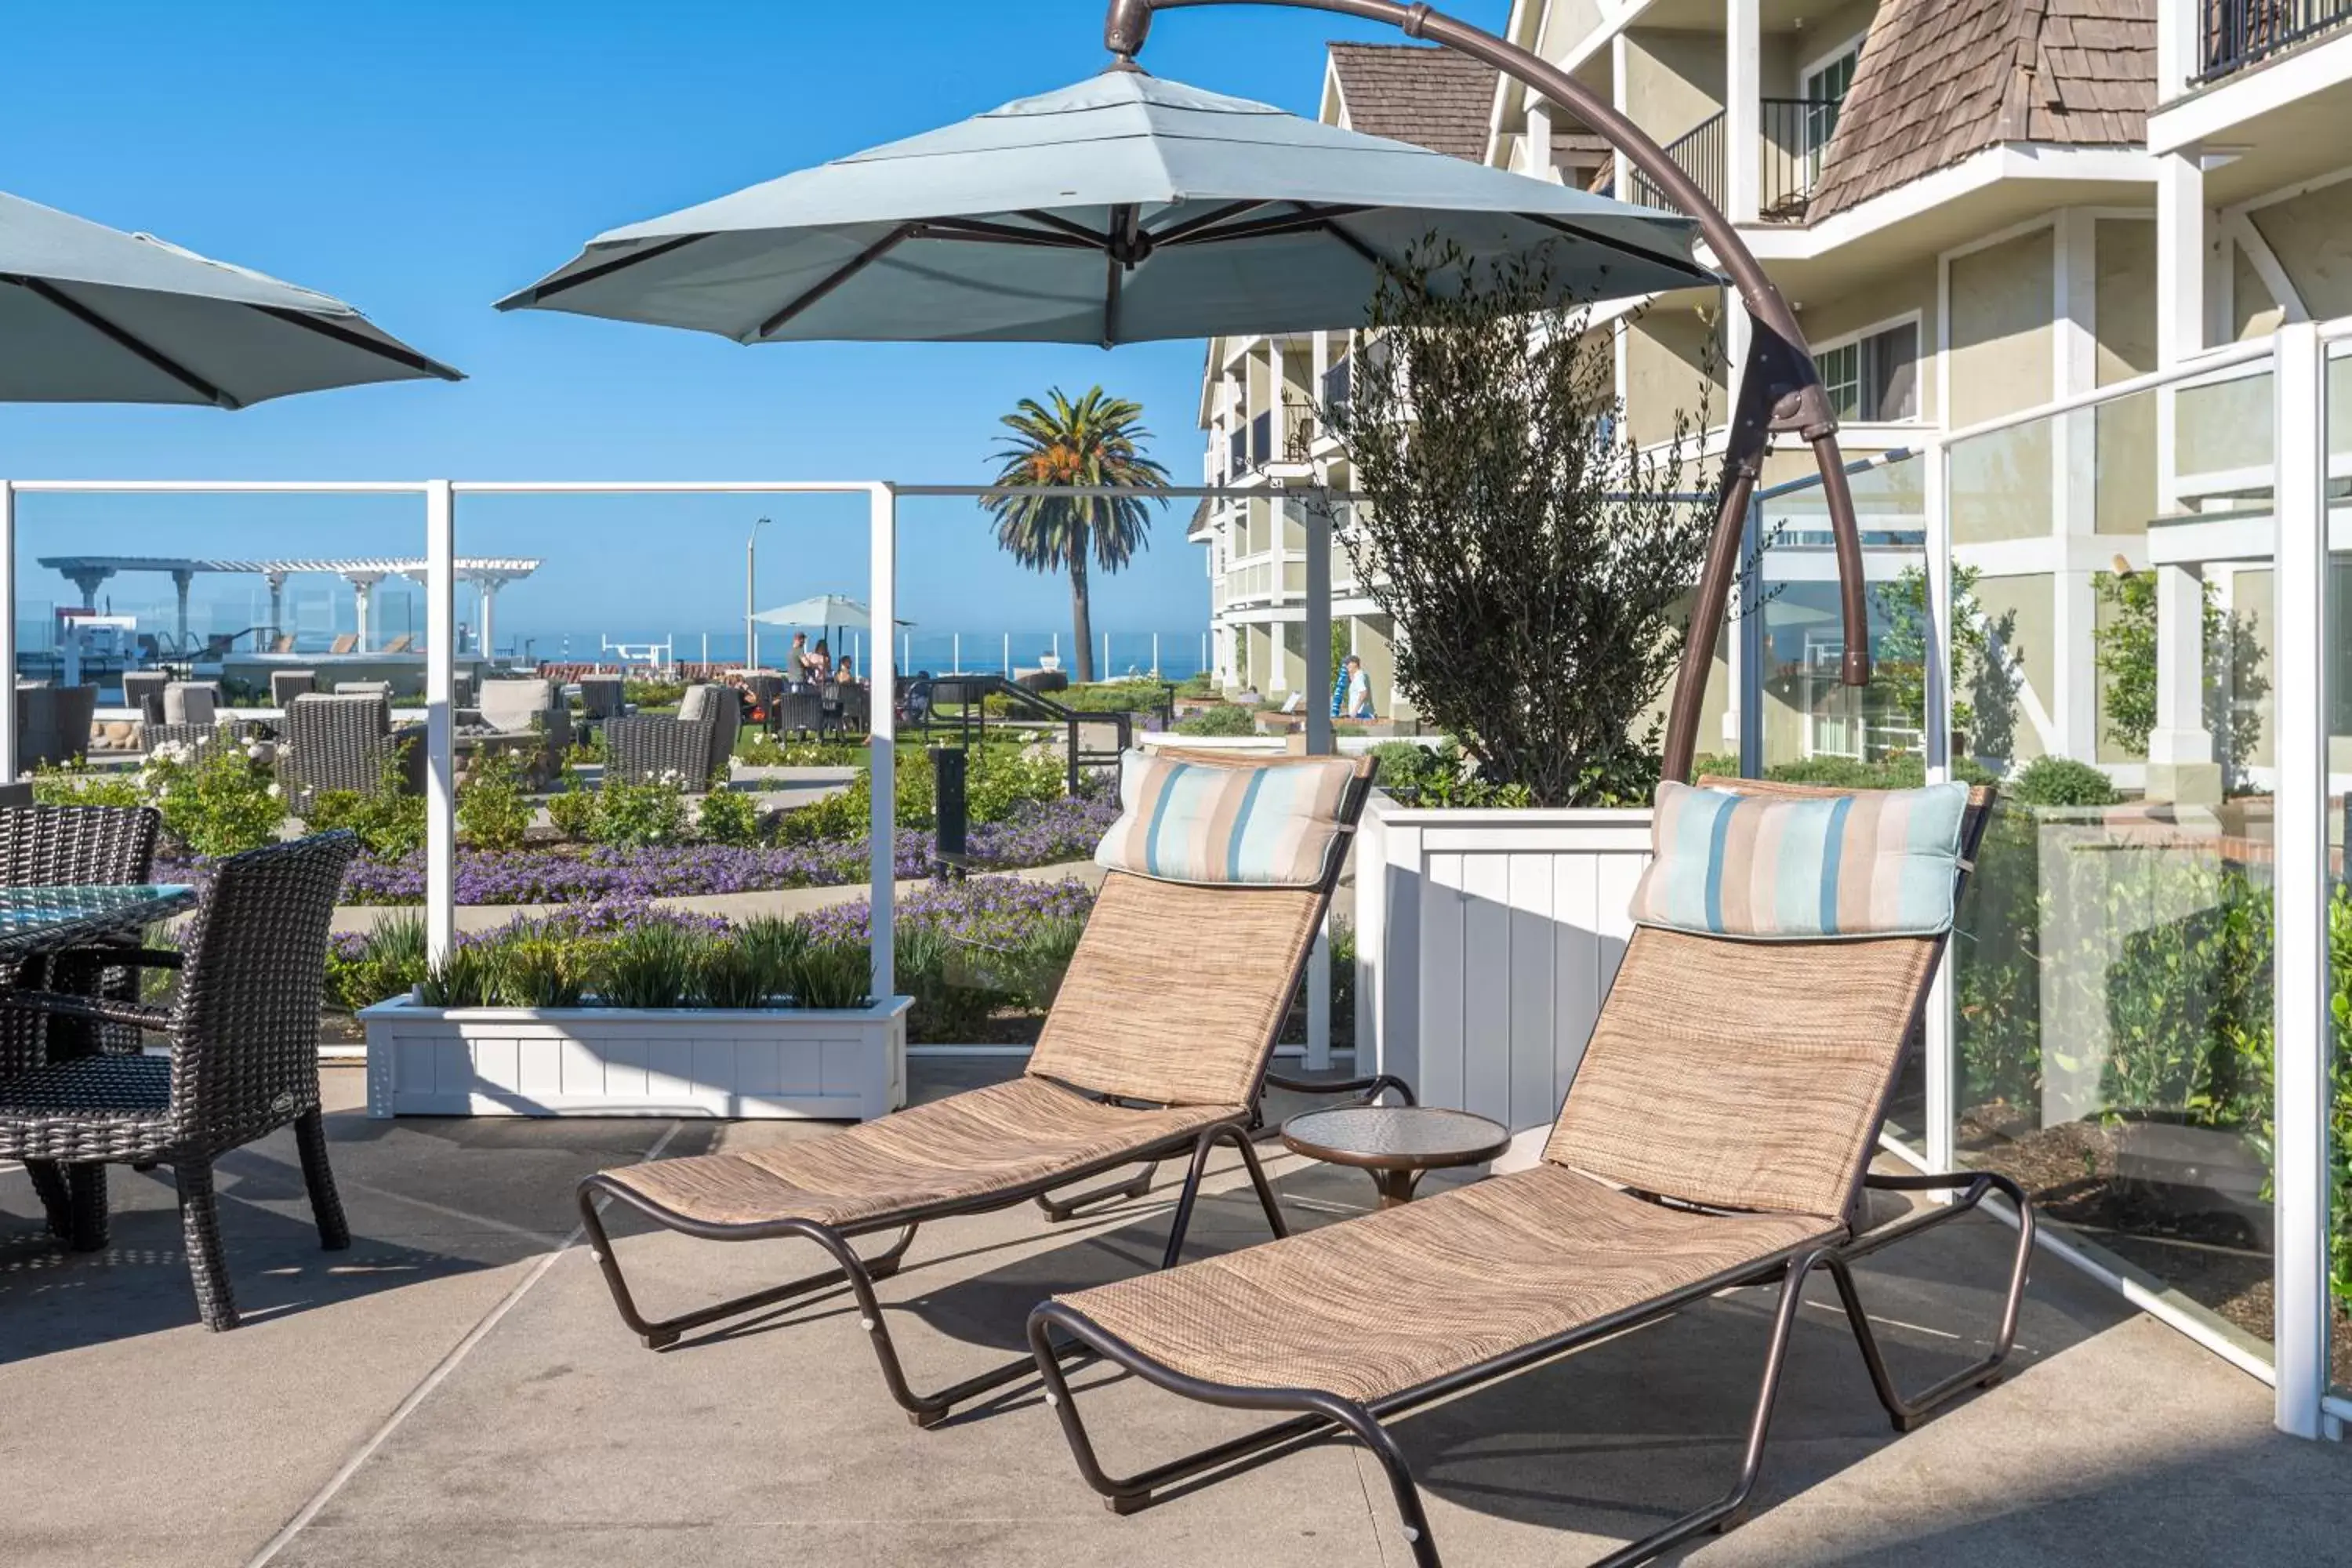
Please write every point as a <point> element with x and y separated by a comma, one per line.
<point>1779,388</point>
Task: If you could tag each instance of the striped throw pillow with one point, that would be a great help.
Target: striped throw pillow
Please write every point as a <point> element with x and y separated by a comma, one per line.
<point>1259,823</point>
<point>1882,863</point>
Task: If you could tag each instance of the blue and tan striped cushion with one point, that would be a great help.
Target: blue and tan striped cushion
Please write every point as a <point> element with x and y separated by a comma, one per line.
<point>1882,863</point>
<point>1263,823</point>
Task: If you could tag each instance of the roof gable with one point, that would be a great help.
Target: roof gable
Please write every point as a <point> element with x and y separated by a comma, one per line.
<point>1941,79</point>
<point>1432,97</point>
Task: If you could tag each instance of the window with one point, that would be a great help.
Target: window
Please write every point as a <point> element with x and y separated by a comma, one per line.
<point>1876,378</point>
<point>1826,83</point>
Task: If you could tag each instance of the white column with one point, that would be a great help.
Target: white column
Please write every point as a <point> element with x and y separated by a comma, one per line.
<point>2302,1026</point>
<point>882,740</point>
<point>2180,225</point>
<point>489,588</point>
<point>440,726</point>
<point>1535,145</point>
<point>276,581</point>
<point>2075,485</point>
<point>1743,92</point>
<point>1939,1080</point>
<point>9,628</point>
<point>364,606</point>
<point>2180,765</point>
<point>181,583</point>
<point>2177,46</point>
<point>1319,744</point>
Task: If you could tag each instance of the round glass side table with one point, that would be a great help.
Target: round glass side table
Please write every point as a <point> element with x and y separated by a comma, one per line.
<point>1395,1143</point>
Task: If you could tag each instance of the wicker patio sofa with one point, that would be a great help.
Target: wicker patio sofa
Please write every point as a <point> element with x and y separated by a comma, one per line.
<point>1138,1062</point>
<point>1718,1133</point>
<point>343,744</point>
<point>691,749</point>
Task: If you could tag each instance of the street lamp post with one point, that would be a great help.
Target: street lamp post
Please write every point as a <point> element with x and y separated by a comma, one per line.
<point>750,573</point>
<point>1779,386</point>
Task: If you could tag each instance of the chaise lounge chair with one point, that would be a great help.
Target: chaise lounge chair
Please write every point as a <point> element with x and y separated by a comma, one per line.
<point>1156,1048</point>
<point>1716,1135</point>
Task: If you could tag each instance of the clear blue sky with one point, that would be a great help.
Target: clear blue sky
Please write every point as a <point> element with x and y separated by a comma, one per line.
<point>422,158</point>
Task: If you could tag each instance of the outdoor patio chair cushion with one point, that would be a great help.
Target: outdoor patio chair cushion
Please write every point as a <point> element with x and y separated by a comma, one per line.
<point>188,702</point>
<point>1207,821</point>
<point>1393,1299</point>
<point>1003,1138</point>
<point>1881,863</point>
<point>512,706</point>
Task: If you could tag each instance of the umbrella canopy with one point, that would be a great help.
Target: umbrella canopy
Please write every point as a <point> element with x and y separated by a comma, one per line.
<point>820,610</point>
<point>1122,209</point>
<point>89,314</point>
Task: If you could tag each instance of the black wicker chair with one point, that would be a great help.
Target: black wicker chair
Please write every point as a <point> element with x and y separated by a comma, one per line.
<point>691,749</point>
<point>243,1060</point>
<point>70,845</point>
<point>342,744</point>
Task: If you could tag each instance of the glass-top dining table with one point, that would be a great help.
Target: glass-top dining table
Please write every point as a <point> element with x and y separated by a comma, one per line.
<point>38,919</point>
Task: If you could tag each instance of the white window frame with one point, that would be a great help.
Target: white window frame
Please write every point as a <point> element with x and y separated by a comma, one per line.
<point>1814,66</point>
<point>1917,320</point>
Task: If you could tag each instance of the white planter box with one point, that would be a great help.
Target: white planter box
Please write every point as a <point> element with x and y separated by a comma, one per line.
<point>846,1066</point>
<point>1484,942</point>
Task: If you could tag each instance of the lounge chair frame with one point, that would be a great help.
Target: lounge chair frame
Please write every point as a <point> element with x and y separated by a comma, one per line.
<point>1325,1414</point>
<point>860,1273</point>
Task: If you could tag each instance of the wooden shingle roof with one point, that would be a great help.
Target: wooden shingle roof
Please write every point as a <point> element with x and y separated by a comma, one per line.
<point>1432,97</point>
<point>1941,79</point>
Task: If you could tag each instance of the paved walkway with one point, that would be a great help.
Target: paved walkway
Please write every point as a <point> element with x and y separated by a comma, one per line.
<point>456,1391</point>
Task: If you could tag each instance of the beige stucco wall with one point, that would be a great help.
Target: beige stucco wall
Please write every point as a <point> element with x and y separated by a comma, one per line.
<point>2125,346</point>
<point>1884,298</point>
<point>2252,312</point>
<point>1664,351</point>
<point>2225,424</point>
<point>2029,600</point>
<point>2001,359</point>
<point>2311,234</point>
<point>1672,81</point>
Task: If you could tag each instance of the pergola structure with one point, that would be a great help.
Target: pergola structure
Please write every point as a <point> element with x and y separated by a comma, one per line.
<point>487,574</point>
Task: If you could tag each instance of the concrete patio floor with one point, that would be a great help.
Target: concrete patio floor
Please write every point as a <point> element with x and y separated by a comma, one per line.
<point>456,1390</point>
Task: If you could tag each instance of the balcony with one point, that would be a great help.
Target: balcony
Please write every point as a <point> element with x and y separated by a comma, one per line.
<point>1261,440</point>
<point>2241,33</point>
<point>1236,456</point>
<point>1793,135</point>
<point>1338,384</point>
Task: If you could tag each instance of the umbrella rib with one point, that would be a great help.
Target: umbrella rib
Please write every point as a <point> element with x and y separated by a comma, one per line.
<point>1194,224</point>
<point>601,269</point>
<point>399,353</point>
<point>981,229</point>
<point>1678,264</point>
<point>1075,230</point>
<point>154,356</point>
<point>1306,217</point>
<point>1348,238</point>
<point>840,274</point>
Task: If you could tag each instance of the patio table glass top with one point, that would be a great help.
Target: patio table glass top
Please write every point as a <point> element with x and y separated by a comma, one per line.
<point>37,919</point>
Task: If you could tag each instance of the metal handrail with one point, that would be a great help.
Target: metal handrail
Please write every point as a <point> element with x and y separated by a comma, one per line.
<point>1697,152</point>
<point>2240,33</point>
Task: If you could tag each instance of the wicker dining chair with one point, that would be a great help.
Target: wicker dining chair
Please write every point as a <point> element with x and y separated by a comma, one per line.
<point>691,748</point>
<point>244,1062</point>
<point>338,743</point>
<point>70,845</point>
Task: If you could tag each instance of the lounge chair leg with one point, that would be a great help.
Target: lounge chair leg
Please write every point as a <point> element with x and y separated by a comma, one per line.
<point>1060,1209</point>
<point>1368,1431</point>
<point>1730,1510</point>
<point>1907,1415</point>
<point>1241,1140</point>
<point>1182,1221</point>
<point>662,1333</point>
<point>326,1206</point>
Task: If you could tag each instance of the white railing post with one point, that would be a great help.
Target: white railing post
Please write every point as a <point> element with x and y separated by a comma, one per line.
<point>9,628</point>
<point>440,719</point>
<point>882,741</point>
<point>1320,744</point>
<point>2300,1338</point>
<point>1940,1045</point>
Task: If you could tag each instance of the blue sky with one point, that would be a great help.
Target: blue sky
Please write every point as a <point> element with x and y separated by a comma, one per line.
<point>421,159</point>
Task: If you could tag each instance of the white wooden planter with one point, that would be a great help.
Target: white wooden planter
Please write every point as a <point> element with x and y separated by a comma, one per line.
<point>1484,942</point>
<point>844,1066</point>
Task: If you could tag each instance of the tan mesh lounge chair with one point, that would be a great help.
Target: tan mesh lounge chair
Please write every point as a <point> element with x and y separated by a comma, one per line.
<point>1716,1135</point>
<point>343,644</point>
<point>1154,1049</point>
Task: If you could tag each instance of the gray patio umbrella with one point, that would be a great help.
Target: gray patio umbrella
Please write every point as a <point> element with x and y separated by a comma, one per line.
<point>89,314</point>
<point>1124,208</point>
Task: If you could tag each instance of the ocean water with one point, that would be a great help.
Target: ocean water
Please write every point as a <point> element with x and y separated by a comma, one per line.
<point>1180,653</point>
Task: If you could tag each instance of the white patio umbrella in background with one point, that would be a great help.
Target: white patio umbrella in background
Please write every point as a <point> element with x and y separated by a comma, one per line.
<point>1124,208</point>
<point>90,314</point>
<point>829,613</point>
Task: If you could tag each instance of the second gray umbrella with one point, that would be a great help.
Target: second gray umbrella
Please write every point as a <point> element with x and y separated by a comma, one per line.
<point>90,314</point>
<point>1124,208</point>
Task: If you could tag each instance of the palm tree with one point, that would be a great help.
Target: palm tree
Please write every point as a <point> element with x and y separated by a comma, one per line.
<point>1096,441</point>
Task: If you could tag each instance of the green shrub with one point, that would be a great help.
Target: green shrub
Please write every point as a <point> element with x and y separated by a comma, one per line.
<point>1225,720</point>
<point>652,693</point>
<point>733,972</point>
<point>1439,778</point>
<point>2062,781</point>
<point>216,800</point>
<point>75,783</point>
<point>1043,959</point>
<point>776,939</point>
<point>572,808</point>
<point>467,977</point>
<point>651,965</point>
<point>953,999</point>
<point>830,974</point>
<point>387,963</point>
<point>632,815</point>
<point>541,970</point>
<point>729,818</point>
<point>493,811</point>
<point>390,822</point>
